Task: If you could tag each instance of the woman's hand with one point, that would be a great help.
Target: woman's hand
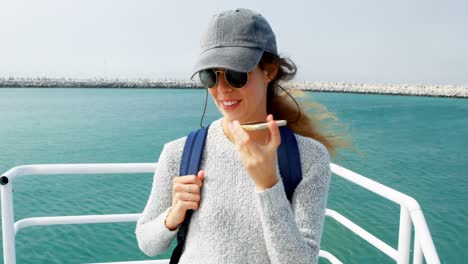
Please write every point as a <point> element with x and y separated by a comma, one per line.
<point>185,196</point>
<point>259,160</point>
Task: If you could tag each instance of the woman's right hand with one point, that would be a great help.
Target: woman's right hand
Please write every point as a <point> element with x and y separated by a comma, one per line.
<point>185,196</point>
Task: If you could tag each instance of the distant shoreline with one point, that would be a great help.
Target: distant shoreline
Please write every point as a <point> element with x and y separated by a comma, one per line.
<point>338,87</point>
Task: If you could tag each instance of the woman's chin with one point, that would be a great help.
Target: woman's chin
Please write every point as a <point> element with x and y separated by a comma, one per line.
<point>229,117</point>
<point>230,114</point>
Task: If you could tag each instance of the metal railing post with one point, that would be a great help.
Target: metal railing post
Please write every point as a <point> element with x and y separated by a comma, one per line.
<point>404,238</point>
<point>8,222</point>
<point>417,253</point>
<point>425,238</point>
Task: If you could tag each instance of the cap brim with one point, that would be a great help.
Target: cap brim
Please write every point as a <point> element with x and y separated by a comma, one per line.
<point>240,59</point>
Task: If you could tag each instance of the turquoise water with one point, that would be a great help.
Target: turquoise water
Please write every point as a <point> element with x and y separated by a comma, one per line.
<point>416,145</point>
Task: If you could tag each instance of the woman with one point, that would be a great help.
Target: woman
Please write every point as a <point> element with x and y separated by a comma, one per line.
<point>241,213</point>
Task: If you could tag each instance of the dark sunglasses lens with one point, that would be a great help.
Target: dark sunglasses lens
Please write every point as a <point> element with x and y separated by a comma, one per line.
<point>207,78</point>
<point>236,79</point>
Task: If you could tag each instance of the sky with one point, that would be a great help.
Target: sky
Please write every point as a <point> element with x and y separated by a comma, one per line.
<point>368,41</point>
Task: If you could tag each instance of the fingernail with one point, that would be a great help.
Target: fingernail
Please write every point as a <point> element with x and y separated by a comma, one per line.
<point>235,123</point>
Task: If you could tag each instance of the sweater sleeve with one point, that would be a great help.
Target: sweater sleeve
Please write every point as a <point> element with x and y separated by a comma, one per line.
<point>151,232</point>
<point>293,231</point>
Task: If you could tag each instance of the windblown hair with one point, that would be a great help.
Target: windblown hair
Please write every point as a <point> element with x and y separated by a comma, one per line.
<point>306,118</point>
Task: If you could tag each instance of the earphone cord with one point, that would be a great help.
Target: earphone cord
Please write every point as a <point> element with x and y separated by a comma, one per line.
<point>299,113</point>
<point>204,109</point>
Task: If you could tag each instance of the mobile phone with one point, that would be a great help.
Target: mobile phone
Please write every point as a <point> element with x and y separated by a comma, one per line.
<point>261,125</point>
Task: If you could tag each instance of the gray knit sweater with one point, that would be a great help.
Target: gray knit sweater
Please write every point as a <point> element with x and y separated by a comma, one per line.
<point>235,223</point>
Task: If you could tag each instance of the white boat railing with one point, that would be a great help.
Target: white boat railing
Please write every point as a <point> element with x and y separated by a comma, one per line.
<point>410,212</point>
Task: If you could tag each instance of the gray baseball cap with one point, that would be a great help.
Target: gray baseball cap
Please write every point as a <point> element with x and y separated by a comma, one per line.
<point>235,39</point>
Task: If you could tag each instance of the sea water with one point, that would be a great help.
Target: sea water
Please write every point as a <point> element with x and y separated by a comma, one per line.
<point>416,145</point>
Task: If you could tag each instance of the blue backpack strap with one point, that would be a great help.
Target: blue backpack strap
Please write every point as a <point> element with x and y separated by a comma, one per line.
<point>193,152</point>
<point>189,165</point>
<point>289,161</point>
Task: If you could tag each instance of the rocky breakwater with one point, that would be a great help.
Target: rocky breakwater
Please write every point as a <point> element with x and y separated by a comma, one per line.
<point>460,91</point>
<point>95,83</point>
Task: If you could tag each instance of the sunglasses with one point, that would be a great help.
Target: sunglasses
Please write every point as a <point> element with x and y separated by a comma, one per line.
<point>209,78</point>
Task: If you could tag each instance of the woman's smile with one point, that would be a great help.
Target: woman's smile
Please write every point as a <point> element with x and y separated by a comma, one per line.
<point>230,104</point>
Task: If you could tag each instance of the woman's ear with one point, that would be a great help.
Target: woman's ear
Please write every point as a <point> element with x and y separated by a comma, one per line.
<point>270,71</point>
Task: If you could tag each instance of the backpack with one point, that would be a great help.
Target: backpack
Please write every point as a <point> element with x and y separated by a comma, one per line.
<point>288,161</point>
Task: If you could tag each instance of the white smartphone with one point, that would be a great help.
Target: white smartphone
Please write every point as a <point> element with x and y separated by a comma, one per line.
<point>261,125</point>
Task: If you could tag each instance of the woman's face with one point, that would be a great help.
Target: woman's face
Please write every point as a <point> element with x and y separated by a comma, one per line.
<point>246,104</point>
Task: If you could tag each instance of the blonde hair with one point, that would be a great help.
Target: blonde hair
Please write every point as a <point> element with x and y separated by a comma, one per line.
<point>305,117</point>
